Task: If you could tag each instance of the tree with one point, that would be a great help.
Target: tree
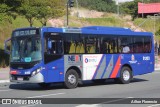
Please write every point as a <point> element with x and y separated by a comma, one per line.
<point>49,9</point>
<point>158,32</point>
<point>8,10</point>
<point>28,10</point>
<point>41,10</point>
<point>99,5</point>
<point>130,8</point>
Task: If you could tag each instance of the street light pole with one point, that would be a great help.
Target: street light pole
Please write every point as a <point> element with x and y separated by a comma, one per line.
<point>69,4</point>
<point>67,12</point>
<point>142,9</point>
<point>77,8</point>
<point>117,3</point>
<point>155,23</point>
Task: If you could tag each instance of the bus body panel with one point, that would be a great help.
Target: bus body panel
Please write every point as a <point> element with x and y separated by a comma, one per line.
<point>91,66</point>
<point>55,71</point>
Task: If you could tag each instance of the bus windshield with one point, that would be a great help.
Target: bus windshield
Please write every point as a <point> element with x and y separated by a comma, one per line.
<point>26,49</point>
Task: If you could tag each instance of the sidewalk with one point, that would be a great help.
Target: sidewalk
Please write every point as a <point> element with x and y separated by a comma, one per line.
<point>4,75</point>
<point>157,62</point>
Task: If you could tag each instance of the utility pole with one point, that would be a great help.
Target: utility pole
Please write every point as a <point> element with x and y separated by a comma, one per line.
<point>70,3</point>
<point>155,15</point>
<point>117,3</point>
<point>142,9</point>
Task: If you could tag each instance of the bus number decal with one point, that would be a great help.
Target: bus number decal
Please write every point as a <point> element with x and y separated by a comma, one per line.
<point>146,58</point>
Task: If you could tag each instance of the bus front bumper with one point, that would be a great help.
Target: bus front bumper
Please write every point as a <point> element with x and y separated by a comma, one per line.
<point>38,78</point>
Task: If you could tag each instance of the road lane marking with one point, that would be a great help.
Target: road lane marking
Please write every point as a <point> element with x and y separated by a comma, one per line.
<point>3,87</point>
<point>87,105</point>
<point>115,100</point>
<point>98,104</point>
<point>45,95</point>
<point>5,90</point>
<point>155,105</point>
<point>28,105</point>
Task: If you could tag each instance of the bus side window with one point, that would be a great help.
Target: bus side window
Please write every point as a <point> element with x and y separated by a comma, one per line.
<point>54,46</point>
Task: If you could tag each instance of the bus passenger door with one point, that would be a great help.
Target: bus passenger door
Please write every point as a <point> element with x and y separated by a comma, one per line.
<point>53,58</point>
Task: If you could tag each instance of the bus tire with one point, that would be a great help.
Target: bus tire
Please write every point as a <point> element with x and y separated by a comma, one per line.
<point>71,79</point>
<point>125,75</point>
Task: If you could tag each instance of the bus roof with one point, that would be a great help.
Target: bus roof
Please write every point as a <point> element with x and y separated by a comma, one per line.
<point>94,30</point>
<point>113,31</point>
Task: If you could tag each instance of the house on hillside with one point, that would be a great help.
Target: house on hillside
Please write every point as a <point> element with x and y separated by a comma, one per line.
<point>148,9</point>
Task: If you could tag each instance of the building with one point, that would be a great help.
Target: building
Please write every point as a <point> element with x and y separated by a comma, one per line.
<point>148,9</point>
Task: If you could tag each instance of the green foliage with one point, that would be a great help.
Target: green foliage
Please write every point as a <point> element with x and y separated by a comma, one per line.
<point>108,21</point>
<point>4,16</point>
<point>31,9</point>
<point>41,9</point>
<point>150,25</point>
<point>8,10</point>
<point>4,59</point>
<point>99,5</point>
<point>158,32</point>
<point>130,8</point>
<point>28,10</point>
<point>49,9</point>
<point>151,1</point>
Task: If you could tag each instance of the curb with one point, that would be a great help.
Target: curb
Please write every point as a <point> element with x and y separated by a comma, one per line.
<point>157,68</point>
<point>4,81</point>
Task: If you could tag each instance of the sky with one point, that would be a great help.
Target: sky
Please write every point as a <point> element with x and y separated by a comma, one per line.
<point>123,0</point>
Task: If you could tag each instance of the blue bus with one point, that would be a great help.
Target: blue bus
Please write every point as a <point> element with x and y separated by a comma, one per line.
<point>71,55</point>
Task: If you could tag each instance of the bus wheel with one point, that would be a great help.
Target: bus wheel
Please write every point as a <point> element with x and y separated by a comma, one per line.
<point>71,79</point>
<point>99,80</point>
<point>125,76</point>
<point>44,85</point>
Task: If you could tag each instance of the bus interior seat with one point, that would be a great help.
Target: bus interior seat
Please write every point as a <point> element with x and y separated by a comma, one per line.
<point>72,47</point>
<point>82,50</point>
<point>92,49</point>
<point>78,48</point>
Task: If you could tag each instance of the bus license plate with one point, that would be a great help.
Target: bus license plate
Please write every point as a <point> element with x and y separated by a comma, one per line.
<point>20,78</point>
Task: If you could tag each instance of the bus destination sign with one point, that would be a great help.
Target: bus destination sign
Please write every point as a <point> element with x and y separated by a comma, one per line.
<point>25,32</point>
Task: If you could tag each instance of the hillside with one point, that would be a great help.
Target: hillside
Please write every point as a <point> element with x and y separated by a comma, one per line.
<point>85,18</point>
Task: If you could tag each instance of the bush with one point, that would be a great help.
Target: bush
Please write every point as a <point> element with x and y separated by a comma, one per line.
<point>99,5</point>
<point>4,59</point>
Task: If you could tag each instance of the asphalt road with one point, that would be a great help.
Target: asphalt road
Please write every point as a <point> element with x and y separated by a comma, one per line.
<point>144,86</point>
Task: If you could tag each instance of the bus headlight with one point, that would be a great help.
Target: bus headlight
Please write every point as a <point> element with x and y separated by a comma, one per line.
<point>36,71</point>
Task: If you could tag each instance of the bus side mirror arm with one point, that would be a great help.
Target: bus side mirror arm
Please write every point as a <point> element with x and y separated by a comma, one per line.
<point>5,46</point>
